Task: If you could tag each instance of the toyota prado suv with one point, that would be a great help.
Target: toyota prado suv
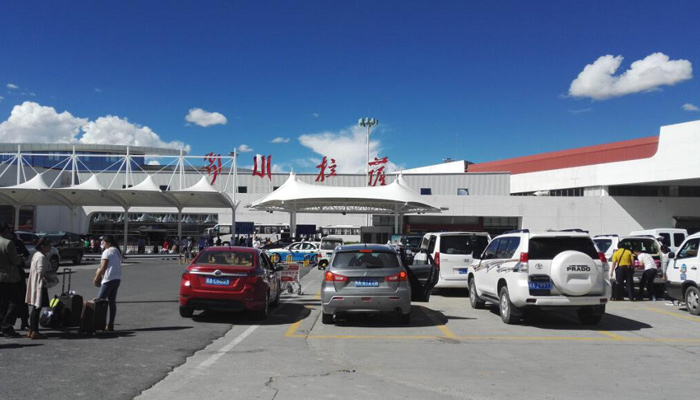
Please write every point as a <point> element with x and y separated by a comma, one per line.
<point>520,270</point>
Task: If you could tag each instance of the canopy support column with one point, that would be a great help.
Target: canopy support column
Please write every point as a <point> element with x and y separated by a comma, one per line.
<point>71,209</point>
<point>233,241</point>
<point>179,230</point>
<point>126,231</point>
<point>17,207</point>
<point>293,225</point>
<point>396,223</point>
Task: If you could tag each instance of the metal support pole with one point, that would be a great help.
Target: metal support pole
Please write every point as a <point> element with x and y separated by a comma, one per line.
<point>19,162</point>
<point>126,232</point>
<point>182,170</point>
<point>179,229</point>
<point>235,197</point>
<point>72,173</point>
<point>17,207</point>
<point>71,209</point>
<point>396,223</point>
<point>293,225</point>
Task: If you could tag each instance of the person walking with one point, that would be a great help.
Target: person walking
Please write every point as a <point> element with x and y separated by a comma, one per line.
<point>23,253</point>
<point>37,294</point>
<point>648,276</point>
<point>108,277</point>
<point>10,296</point>
<point>623,270</point>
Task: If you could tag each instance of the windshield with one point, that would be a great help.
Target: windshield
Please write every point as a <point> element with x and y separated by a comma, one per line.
<point>546,248</point>
<point>55,239</point>
<point>603,244</point>
<point>462,244</point>
<point>412,241</point>
<point>648,246</point>
<point>241,259</point>
<point>330,244</point>
<point>367,259</point>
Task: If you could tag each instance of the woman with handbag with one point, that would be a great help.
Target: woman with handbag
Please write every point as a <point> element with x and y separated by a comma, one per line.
<point>41,277</point>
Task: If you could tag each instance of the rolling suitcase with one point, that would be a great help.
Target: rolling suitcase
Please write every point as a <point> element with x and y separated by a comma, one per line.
<point>94,316</point>
<point>72,302</point>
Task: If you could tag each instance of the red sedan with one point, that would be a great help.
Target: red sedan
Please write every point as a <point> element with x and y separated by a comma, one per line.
<point>230,279</point>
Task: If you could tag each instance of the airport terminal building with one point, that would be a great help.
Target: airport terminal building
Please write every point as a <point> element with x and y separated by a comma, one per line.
<point>608,188</point>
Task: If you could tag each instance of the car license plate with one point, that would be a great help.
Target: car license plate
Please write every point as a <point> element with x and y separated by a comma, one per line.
<point>366,283</point>
<point>461,271</point>
<point>216,281</point>
<point>544,285</point>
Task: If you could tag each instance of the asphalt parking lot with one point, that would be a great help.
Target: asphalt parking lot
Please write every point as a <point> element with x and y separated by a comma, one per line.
<point>641,350</point>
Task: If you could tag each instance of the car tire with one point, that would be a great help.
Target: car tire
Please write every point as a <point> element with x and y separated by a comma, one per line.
<point>692,300</point>
<point>474,298</point>
<point>78,259</point>
<point>405,319</point>
<point>587,316</point>
<point>262,314</point>
<point>276,302</point>
<point>509,313</point>
<point>326,319</point>
<point>186,312</point>
<point>55,262</point>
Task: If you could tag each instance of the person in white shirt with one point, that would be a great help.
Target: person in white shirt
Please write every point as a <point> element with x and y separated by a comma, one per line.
<point>108,277</point>
<point>256,242</point>
<point>648,276</point>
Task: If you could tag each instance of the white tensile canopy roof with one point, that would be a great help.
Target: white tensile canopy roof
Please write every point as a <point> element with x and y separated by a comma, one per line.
<point>296,196</point>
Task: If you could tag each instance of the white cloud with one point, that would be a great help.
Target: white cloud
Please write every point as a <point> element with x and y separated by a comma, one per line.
<point>33,123</point>
<point>12,86</point>
<point>316,115</point>
<point>598,81</point>
<point>348,147</point>
<point>204,118</point>
<point>690,107</point>
<point>581,111</point>
<point>279,140</point>
<point>1,98</point>
<point>244,148</point>
<point>98,90</point>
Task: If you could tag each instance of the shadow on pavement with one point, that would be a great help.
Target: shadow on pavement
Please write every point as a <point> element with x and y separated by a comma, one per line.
<point>288,313</point>
<point>159,329</point>
<point>18,345</point>
<point>567,319</point>
<point>146,301</point>
<point>452,292</point>
<point>420,317</point>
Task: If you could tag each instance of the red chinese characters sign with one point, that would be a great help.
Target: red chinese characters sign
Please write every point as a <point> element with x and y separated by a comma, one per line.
<point>264,169</point>
<point>322,174</point>
<point>214,165</point>
<point>377,174</point>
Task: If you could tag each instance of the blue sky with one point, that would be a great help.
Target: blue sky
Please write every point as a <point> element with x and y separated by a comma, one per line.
<point>475,80</point>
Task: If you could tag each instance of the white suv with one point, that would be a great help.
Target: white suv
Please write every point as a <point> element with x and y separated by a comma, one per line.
<point>683,274</point>
<point>521,270</point>
<point>453,253</point>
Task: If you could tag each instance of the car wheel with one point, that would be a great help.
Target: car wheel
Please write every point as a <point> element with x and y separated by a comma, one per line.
<point>78,259</point>
<point>327,318</point>
<point>474,299</point>
<point>509,313</point>
<point>587,317</point>
<point>265,311</point>
<point>692,300</point>
<point>54,263</point>
<point>186,312</point>
<point>405,319</point>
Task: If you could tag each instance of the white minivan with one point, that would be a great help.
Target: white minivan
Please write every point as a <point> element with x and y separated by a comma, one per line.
<point>452,252</point>
<point>683,274</point>
<point>328,244</point>
<point>672,237</point>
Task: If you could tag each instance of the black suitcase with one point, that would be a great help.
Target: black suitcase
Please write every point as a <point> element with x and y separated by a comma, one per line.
<point>72,303</point>
<point>94,316</point>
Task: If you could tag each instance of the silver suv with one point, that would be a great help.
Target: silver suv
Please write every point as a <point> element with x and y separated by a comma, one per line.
<point>521,270</point>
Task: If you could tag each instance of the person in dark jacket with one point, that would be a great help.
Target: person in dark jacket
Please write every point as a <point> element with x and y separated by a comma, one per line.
<point>23,309</point>
<point>9,283</point>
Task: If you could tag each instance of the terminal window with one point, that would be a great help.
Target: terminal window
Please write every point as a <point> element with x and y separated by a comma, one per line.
<point>426,191</point>
<point>243,189</point>
<point>462,192</point>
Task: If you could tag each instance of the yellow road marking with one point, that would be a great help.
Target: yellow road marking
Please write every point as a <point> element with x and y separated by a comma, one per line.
<point>317,296</point>
<point>673,314</point>
<point>291,332</point>
<point>612,335</point>
<point>493,338</point>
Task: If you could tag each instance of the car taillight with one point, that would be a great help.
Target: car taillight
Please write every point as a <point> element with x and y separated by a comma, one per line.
<point>523,257</point>
<point>522,266</point>
<point>437,260</point>
<point>331,277</point>
<point>186,279</point>
<point>602,257</point>
<point>400,277</point>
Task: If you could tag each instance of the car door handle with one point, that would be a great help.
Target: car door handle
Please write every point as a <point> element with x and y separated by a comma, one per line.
<point>693,268</point>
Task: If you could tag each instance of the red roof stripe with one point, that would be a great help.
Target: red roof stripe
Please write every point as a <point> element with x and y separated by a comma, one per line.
<point>634,149</point>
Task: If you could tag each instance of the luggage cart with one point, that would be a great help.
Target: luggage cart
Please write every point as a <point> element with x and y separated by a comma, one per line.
<point>290,274</point>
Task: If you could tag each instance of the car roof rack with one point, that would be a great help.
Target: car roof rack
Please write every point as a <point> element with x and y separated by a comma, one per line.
<point>607,234</point>
<point>517,231</point>
<point>570,230</point>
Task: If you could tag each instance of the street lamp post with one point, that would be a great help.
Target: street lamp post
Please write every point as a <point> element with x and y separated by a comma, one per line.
<point>368,123</point>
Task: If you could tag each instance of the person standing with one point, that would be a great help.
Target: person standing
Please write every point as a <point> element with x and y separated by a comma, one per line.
<point>108,277</point>
<point>648,276</point>
<point>23,253</point>
<point>256,242</point>
<point>10,295</point>
<point>37,294</point>
<point>218,240</point>
<point>141,246</point>
<point>623,269</point>
<point>201,243</point>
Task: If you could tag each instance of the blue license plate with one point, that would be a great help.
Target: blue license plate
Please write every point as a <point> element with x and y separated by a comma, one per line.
<point>217,281</point>
<point>366,283</point>
<point>462,271</point>
<point>545,285</point>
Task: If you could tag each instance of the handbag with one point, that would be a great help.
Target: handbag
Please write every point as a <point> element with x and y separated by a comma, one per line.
<point>50,280</point>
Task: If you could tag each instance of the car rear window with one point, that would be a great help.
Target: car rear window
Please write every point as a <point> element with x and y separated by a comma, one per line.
<point>365,260</point>
<point>462,244</point>
<point>330,244</point>
<point>678,238</point>
<point>239,259</point>
<point>648,246</point>
<point>546,248</point>
<point>55,239</point>
<point>603,244</point>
